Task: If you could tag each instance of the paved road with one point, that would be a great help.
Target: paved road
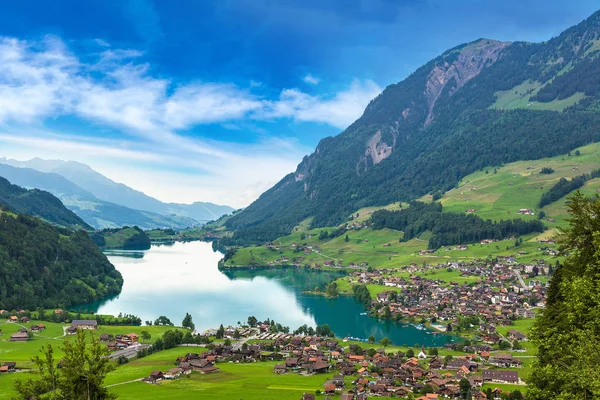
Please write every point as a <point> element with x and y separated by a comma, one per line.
<point>520,278</point>
<point>129,352</point>
<point>238,345</point>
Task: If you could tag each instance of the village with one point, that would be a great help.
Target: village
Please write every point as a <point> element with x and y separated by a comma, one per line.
<point>479,303</point>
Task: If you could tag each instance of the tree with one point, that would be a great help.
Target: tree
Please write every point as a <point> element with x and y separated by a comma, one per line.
<point>347,239</point>
<point>81,377</point>
<point>515,395</point>
<point>465,388</point>
<point>164,321</point>
<point>331,290</point>
<point>227,342</point>
<point>252,321</point>
<point>371,339</point>
<point>385,342</point>
<point>410,353</point>
<point>323,330</point>
<point>371,352</point>
<point>187,322</point>
<point>146,336</point>
<point>220,332</point>
<point>433,351</point>
<point>567,332</point>
<point>236,334</point>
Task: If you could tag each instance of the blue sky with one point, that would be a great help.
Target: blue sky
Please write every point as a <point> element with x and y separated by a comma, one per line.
<point>217,100</point>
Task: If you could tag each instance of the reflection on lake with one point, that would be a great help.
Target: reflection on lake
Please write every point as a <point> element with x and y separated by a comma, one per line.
<point>174,279</point>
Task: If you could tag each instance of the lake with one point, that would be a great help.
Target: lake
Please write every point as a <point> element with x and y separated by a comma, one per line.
<point>177,278</point>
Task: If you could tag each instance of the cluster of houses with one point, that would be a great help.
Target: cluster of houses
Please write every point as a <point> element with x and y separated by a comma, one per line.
<point>361,376</point>
<point>497,298</point>
<point>203,363</point>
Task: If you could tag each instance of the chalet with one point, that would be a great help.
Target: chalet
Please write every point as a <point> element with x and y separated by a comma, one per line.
<point>12,319</point>
<point>308,396</point>
<point>173,373</point>
<point>279,369</point>
<point>517,335</point>
<point>24,320</point>
<point>156,375</point>
<point>11,366</point>
<point>500,376</point>
<point>19,337</point>
<point>3,369</point>
<point>37,328</point>
<point>84,324</point>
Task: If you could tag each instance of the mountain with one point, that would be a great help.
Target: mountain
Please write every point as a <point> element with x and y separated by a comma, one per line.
<point>38,203</point>
<point>479,104</point>
<point>45,266</point>
<point>95,212</point>
<point>117,193</point>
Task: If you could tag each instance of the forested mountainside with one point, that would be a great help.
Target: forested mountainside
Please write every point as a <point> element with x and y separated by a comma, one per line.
<point>126,238</point>
<point>480,104</point>
<point>38,203</point>
<point>45,266</point>
<point>94,211</point>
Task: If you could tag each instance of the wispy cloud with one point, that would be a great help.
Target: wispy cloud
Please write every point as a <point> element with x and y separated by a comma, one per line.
<point>339,110</point>
<point>42,80</point>
<point>311,80</point>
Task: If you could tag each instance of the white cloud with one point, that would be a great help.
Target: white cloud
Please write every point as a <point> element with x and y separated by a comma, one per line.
<point>43,79</point>
<point>340,110</point>
<point>311,80</point>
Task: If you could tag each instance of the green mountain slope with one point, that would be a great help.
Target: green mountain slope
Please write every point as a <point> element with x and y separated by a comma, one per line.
<point>440,124</point>
<point>38,203</point>
<point>126,238</point>
<point>45,266</point>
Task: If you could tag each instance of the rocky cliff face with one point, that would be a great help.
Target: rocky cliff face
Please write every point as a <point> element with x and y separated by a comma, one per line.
<point>469,62</point>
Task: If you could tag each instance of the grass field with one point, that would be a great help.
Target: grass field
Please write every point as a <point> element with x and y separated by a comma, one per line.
<point>234,381</point>
<point>518,97</point>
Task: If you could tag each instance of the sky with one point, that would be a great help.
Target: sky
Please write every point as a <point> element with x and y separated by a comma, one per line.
<point>218,100</point>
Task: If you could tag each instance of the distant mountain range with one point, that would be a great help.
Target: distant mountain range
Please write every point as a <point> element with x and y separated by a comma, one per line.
<point>479,104</point>
<point>101,202</point>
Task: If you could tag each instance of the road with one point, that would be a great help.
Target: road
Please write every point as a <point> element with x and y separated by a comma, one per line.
<point>238,345</point>
<point>520,278</point>
<point>129,352</point>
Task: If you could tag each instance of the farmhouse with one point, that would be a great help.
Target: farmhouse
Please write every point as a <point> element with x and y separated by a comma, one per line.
<point>19,337</point>
<point>499,376</point>
<point>84,324</point>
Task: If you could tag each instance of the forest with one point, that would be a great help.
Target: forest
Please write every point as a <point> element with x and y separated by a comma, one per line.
<point>46,266</point>
<point>449,228</point>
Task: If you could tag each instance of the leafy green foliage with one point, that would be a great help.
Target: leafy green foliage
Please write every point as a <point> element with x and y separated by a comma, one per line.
<point>45,266</point>
<point>449,228</point>
<point>38,203</point>
<point>81,376</point>
<point>187,322</point>
<point>362,294</point>
<point>567,331</point>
